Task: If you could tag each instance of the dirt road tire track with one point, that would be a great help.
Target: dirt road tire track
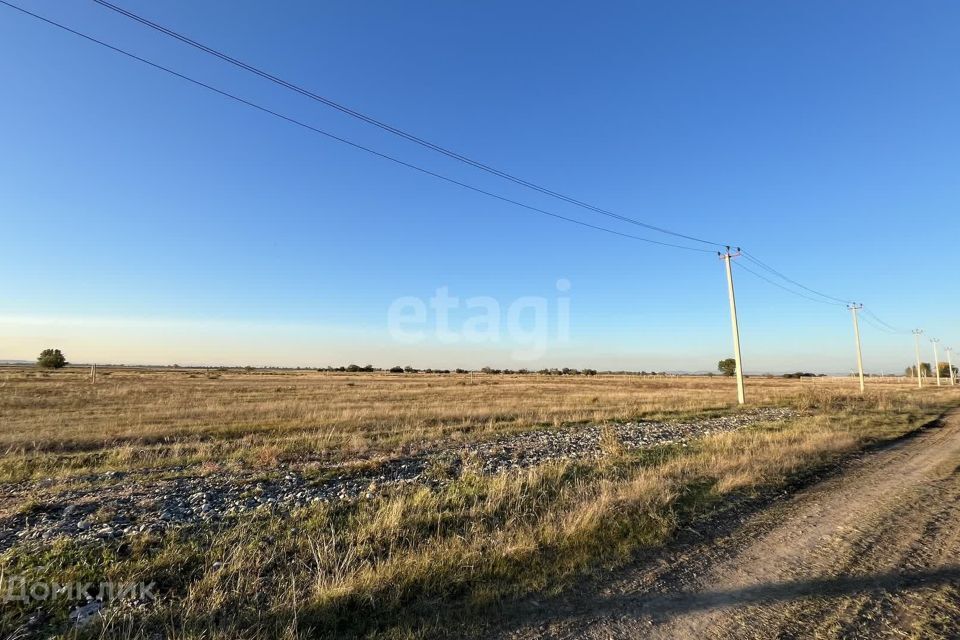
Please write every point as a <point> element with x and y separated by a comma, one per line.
<point>871,552</point>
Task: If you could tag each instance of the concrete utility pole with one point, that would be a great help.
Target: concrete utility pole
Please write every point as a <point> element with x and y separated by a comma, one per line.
<point>936,358</point>
<point>916,334</point>
<point>856,334</point>
<point>93,373</point>
<point>949,351</point>
<point>733,321</point>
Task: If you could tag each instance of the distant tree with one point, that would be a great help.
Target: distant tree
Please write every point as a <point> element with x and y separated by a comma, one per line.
<point>727,367</point>
<point>945,370</point>
<point>926,370</point>
<point>51,359</point>
<point>396,369</point>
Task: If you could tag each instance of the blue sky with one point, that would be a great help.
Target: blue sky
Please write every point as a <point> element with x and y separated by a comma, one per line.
<point>147,220</point>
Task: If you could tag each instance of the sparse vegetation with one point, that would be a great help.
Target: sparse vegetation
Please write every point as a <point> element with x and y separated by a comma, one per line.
<point>51,359</point>
<point>926,370</point>
<point>727,366</point>
<point>403,560</point>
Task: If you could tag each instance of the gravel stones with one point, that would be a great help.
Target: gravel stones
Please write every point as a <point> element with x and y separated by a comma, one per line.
<point>138,504</point>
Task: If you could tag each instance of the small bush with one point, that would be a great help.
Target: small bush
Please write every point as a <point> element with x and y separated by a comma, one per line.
<point>51,359</point>
<point>727,367</point>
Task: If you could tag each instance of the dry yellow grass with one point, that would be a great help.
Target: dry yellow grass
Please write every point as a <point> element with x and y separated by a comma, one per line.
<point>146,417</point>
<point>61,409</point>
<point>390,565</point>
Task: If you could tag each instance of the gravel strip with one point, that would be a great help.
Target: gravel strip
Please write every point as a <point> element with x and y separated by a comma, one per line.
<point>132,504</point>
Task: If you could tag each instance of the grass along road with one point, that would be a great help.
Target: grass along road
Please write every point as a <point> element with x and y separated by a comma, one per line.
<point>872,552</point>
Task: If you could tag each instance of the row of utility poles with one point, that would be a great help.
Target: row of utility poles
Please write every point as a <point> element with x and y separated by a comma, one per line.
<point>936,359</point>
<point>729,254</point>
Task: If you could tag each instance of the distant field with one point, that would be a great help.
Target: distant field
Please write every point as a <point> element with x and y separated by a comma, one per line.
<point>302,504</point>
<point>165,416</point>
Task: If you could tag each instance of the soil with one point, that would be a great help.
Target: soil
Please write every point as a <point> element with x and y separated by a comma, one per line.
<point>870,551</point>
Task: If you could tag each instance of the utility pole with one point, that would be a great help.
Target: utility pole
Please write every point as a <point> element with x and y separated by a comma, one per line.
<point>916,334</point>
<point>93,373</point>
<point>733,321</point>
<point>854,307</point>
<point>936,358</point>
<point>949,351</point>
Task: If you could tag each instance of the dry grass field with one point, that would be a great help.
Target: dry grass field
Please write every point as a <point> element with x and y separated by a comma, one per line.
<point>57,421</point>
<point>409,559</point>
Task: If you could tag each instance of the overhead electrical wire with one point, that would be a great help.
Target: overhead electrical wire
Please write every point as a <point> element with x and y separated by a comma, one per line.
<point>346,141</point>
<point>868,316</point>
<point>394,130</point>
<point>822,298</point>
<point>887,327</point>
<point>740,265</point>
<point>767,267</point>
<point>877,326</point>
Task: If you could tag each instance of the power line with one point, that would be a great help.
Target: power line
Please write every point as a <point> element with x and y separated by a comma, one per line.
<point>780,286</point>
<point>877,326</point>
<point>346,141</point>
<point>823,297</point>
<point>394,130</point>
<point>767,267</point>
<point>889,327</point>
<point>426,143</point>
<point>870,318</point>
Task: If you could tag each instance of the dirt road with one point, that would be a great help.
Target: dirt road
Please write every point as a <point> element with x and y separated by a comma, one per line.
<point>873,551</point>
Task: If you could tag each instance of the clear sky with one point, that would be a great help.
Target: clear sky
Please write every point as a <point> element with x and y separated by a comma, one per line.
<point>146,220</point>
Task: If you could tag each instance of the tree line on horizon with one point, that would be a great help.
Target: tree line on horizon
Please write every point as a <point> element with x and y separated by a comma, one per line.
<point>926,370</point>
<point>55,359</point>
